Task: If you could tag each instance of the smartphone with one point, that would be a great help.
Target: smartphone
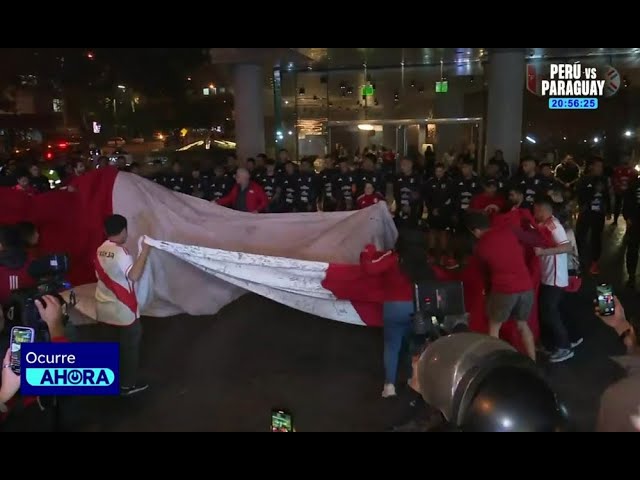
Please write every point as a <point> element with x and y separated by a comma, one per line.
<point>19,335</point>
<point>281,421</point>
<point>606,305</point>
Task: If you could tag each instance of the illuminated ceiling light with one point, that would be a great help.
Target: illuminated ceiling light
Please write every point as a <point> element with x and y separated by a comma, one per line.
<point>628,134</point>
<point>530,139</point>
<point>366,127</point>
<point>596,140</point>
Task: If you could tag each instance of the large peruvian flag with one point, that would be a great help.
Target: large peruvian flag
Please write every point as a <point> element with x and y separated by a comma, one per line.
<point>208,255</point>
<point>339,292</point>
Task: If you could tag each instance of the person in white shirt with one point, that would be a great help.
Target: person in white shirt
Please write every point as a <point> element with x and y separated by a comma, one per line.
<point>555,278</point>
<point>116,303</point>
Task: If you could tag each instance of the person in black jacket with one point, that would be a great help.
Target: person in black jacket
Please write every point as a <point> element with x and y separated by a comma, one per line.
<point>439,197</point>
<point>529,181</point>
<point>407,194</point>
<point>594,201</point>
<point>344,186</point>
<point>289,185</point>
<point>328,193</point>
<point>631,213</point>
<point>272,185</point>
<point>37,180</point>
<point>500,163</point>
<point>369,174</point>
<point>218,186</point>
<point>307,199</point>
<point>176,180</point>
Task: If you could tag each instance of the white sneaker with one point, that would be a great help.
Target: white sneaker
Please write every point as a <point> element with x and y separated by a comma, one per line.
<point>561,355</point>
<point>389,391</point>
<point>577,343</point>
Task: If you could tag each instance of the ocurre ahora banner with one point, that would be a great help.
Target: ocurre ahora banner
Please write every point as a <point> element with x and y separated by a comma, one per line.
<point>70,369</point>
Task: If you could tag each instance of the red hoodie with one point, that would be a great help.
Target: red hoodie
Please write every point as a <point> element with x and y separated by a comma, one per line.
<point>396,285</point>
<point>257,200</point>
<point>365,200</point>
<point>482,201</point>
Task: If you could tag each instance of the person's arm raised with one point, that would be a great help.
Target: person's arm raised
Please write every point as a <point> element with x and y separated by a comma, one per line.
<point>135,272</point>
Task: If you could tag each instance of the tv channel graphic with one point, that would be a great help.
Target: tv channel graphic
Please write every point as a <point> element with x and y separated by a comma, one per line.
<point>573,86</point>
<point>70,369</point>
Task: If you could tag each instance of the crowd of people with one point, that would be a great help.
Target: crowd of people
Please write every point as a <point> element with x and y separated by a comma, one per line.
<point>444,205</point>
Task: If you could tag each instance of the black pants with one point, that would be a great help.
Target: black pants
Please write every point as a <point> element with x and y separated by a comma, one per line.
<point>633,244</point>
<point>129,338</point>
<point>551,316</point>
<point>589,232</point>
<point>617,206</point>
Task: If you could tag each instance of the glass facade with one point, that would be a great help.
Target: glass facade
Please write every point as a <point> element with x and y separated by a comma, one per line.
<point>322,109</point>
<point>333,104</point>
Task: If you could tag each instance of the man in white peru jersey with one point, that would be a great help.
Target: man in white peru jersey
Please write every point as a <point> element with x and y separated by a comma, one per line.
<point>116,303</point>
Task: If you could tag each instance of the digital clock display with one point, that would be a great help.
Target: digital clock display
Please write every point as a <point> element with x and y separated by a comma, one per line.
<point>573,103</point>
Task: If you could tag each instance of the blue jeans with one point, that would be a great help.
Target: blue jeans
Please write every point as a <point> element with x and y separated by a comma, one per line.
<point>397,326</point>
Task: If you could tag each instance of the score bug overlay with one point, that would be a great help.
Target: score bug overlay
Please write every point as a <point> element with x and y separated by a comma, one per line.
<point>79,369</point>
<point>572,86</point>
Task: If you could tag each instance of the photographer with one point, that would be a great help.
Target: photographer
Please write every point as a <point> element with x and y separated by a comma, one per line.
<point>399,271</point>
<point>51,312</point>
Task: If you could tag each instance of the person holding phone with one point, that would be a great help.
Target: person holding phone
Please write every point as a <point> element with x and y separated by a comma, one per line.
<point>52,313</point>
<point>619,404</point>
<point>117,308</point>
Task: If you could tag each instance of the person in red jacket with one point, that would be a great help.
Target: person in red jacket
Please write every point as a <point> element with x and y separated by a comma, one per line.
<point>246,195</point>
<point>623,174</point>
<point>370,197</point>
<point>399,270</point>
<point>490,202</point>
<point>511,290</point>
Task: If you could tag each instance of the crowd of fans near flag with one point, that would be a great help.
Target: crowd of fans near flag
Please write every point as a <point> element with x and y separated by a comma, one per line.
<point>447,201</point>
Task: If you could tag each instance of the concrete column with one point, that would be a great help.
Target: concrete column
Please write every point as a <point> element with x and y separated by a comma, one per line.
<point>248,89</point>
<point>449,105</point>
<point>506,75</point>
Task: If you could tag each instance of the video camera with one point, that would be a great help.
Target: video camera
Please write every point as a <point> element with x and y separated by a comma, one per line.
<point>49,272</point>
<point>438,311</point>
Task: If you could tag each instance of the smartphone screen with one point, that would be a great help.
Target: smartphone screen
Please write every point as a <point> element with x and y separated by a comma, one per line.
<point>19,335</point>
<point>606,304</point>
<point>281,421</point>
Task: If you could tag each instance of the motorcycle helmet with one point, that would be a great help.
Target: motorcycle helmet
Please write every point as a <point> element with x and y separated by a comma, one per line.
<point>482,384</point>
